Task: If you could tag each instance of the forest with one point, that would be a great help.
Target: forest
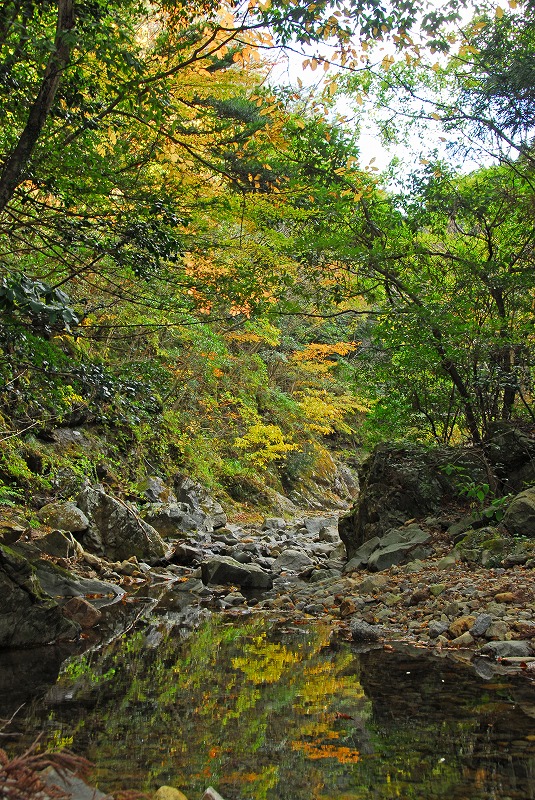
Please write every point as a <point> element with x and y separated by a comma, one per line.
<point>200,259</point>
<point>267,449</point>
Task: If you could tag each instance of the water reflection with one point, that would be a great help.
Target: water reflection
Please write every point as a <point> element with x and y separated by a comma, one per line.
<point>269,714</point>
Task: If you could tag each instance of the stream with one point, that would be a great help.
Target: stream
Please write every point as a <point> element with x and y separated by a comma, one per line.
<point>264,708</point>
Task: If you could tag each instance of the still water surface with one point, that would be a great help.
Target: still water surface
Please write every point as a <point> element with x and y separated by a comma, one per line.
<point>273,711</point>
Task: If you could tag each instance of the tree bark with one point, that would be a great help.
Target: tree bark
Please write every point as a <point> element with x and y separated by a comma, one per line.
<point>16,161</point>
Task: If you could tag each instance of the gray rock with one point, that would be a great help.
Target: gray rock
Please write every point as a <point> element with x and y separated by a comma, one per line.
<point>224,570</point>
<point>398,547</point>
<point>65,516</point>
<point>362,631</point>
<point>481,625</point>
<point>292,561</point>
<point>28,615</point>
<point>73,787</point>
<point>361,556</point>
<point>274,524</point>
<point>198,499</point>
<point>437,628</point>
<point>512,649</point>
<point>519,518</point>
<point>211,794</point>
<point>60,544</point>
<point>58,582</point>
<point>156,491</point>
<point>185,554</point>
<point>116,530</point>
<point>174,519</point>
<point>316,524</point>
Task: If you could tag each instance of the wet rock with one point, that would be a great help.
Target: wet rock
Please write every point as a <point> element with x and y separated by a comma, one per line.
<point>464,640</point>
<point>224,570</point>
<point>292,561</point>
<point>64,515</point>
<point>59,582</point>
<point>116,530</point>
<point>497,630</point>
<point>512,649</point>
<point>362,631</point>
<point>28,615</point>
<point>80,610</point>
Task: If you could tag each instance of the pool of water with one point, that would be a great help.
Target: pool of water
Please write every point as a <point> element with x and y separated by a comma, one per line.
<point>271,710</point>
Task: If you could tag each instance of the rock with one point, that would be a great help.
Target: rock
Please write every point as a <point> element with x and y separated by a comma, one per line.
<point>506,649</point>
<point>169,793</point>
<point>362,554</point>
<point>60,544</point>
<point>28,615</point>
<point>447,562</point>
<point>116,530</point>
<point>512,453</point>
<point>211,794</point>
<point>401,482</point>
<point>73,787</point>
<point>506,597</point>
<point>58,582</point>
<point>437,628</point>
<point>11,531</point>
<point>464,640</point>
<point>398,547</point>
<point>65,516</point>
<point>519,518</point>
<point>80,610</point>
<point>481,625</point>
<point>436,589</point>
<point>224,570</point>
<point>497,630</point>
<point>292,561</point>
<point>485,546</point>
<point>198,499</point>
<point>314,525</point>
<point>373,584</point>
<point>362,631</point>
<point>460,625</point>
<point>175,519</point>
<point>156,491</point>
<point>186,555</point>
<point>274,524</point>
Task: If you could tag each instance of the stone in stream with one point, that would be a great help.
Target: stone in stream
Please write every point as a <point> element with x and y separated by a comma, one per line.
<point>514,649</point>
<point>28,616</point>
<point>223,570</point>
<point>82,611</point>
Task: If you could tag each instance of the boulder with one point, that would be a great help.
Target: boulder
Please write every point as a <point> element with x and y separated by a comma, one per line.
<point>398,546</point>
<point>59,544</point>
<point>116,530</point>
<point>362,631</point>
<point>198,499</point>
<point>224,570</point>
<point>402,481</point>
<point>72,787</point>
<point>175,519</point>
<point>156,491</point>
<point>513,649</point>
<point>519,518</point>
<point>169,793</point>
<point>64,515</point>
<point>59,582</point>
<point>28,616</point>
<point>511,452</point>
<point>292,561</point>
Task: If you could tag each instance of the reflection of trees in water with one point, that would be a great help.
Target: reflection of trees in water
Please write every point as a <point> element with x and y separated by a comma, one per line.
<point>442,729</point>
<point>267,716</point>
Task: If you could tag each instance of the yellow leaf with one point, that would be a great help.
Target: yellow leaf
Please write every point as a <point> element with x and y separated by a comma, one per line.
<point>513,4</point>
<point>300,124</point>
<point>313,64</point>
<point>436,66</point>
<point>359,99</point>
<point>499,12</point>
<point>436,116</point>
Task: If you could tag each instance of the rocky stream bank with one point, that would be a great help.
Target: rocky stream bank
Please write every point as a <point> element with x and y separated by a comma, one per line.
<point>411,562</point>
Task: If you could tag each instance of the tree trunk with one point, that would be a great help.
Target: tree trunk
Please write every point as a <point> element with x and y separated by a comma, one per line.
<point>15,163</point>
